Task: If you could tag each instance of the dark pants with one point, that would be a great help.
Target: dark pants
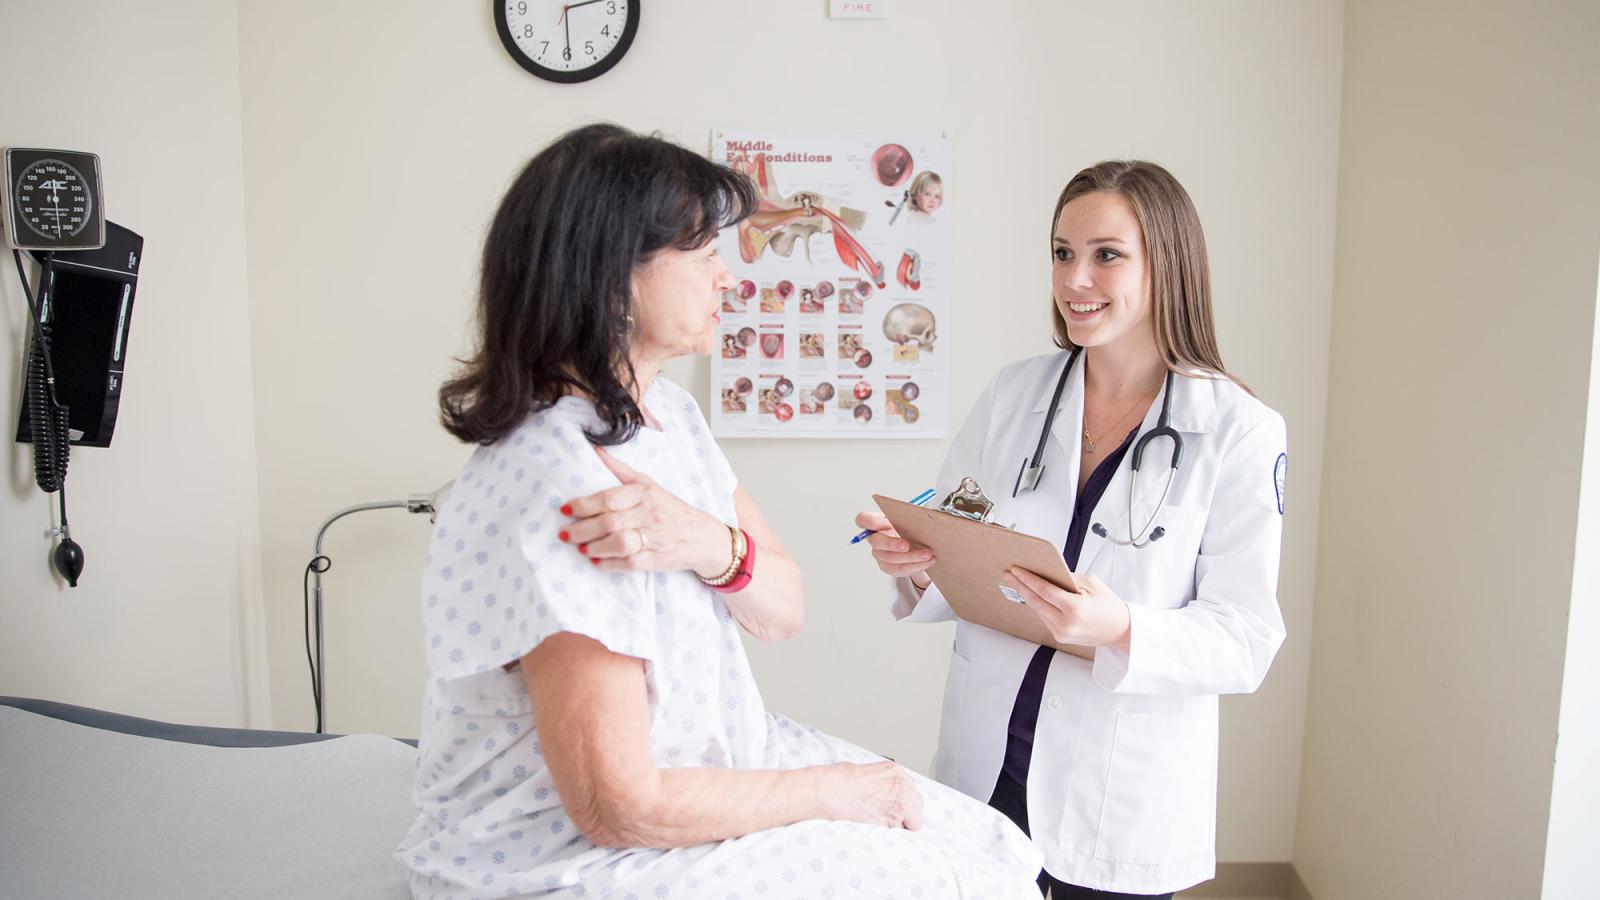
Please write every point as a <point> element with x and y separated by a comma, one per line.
<point>1011,798</point>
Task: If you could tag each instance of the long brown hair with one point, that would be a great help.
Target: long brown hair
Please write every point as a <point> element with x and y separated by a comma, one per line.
<point>1180,276</point>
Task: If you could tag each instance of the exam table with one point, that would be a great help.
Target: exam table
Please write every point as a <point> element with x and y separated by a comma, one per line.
<point>94,804</point>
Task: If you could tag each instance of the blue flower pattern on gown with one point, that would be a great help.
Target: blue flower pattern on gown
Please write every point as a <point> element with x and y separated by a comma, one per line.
<point>497,581</point>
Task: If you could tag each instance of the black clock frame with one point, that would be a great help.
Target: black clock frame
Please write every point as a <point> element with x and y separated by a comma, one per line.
<point>556,75</point>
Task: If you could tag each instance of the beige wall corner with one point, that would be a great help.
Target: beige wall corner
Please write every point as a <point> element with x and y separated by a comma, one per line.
<point>1462,346</point>
<point>161,622</point>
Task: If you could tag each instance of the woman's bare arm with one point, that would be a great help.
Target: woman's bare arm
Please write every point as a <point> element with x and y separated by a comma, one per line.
<point>594,731</point>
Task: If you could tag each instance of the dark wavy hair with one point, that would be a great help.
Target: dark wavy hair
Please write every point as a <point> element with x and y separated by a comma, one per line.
<point>555,301</point>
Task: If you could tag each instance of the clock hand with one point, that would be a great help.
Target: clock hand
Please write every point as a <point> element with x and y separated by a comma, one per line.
<point>571,6</point>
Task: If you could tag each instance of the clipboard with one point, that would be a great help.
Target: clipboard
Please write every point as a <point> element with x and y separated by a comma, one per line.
<point>971,556</point>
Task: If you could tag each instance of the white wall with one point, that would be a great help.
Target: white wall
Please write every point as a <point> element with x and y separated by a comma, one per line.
<point>1462,346</point>
<point>1575,788</point>
<point>379,136</point>
<point>166,620</point>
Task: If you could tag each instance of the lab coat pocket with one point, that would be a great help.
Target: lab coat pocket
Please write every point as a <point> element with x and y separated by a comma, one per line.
<point>1161,573</point>
<point>1158,792</point>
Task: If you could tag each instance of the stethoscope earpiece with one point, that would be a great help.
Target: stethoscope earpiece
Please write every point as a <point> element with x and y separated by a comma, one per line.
<point>1156,534</point>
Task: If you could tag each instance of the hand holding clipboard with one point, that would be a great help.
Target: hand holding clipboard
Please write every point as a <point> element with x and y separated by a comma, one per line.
<point>972,558</point>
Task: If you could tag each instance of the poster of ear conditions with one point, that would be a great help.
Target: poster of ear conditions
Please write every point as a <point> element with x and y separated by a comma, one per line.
<point>838,323</point>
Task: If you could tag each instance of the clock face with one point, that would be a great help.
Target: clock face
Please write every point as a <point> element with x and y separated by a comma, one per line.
<point>53,200</point>
<point>565,41</point>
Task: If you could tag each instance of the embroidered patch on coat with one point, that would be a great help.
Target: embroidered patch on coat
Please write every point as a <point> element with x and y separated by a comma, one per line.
<point>1279,473</point>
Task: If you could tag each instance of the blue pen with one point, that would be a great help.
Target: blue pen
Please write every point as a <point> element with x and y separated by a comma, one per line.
<point>918,500</point>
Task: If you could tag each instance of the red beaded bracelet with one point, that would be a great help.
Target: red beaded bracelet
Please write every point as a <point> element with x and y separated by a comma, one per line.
<point>746,570</point>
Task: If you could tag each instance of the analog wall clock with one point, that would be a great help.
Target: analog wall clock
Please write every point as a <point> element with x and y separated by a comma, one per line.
<point>565,41</point>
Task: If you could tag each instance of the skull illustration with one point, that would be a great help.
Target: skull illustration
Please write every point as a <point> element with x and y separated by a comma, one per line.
<point>907,322</point>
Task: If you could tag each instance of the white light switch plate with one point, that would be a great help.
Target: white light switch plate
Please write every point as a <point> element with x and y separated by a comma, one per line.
<point>858,9</point>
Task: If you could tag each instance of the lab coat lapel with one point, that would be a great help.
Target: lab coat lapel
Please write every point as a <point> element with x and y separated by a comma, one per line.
<point>1065,431</point>
<point>1046,511</point>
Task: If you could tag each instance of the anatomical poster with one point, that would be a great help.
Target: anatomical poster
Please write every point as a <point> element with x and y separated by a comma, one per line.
<point>838,323</point>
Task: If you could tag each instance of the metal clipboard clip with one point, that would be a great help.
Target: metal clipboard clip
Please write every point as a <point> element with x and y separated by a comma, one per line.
<point>968,502</point>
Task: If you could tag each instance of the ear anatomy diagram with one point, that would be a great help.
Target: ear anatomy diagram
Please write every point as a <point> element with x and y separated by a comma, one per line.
<point>781,222</point>
<point>838,287</point>
<point>910,272</point>
<point>892,165</point>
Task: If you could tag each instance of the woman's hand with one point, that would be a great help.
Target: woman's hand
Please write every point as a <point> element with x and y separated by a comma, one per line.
<point>642,527</point>
<point>1095,617</point>
<point>876,794</point>
<point>894,554</point>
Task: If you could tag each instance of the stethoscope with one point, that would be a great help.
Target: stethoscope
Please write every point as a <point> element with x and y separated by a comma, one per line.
<point>1028,476</point>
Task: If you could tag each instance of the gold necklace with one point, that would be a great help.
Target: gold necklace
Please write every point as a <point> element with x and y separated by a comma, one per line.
<point>1088,442</point>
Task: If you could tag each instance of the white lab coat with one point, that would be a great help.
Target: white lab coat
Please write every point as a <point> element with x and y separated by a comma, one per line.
<point>1122,781</point>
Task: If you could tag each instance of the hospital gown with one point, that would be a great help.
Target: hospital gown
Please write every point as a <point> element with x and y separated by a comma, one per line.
<point>498,581</point>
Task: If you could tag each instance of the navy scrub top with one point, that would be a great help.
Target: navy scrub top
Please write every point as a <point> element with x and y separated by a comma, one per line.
<point>1025,712</point>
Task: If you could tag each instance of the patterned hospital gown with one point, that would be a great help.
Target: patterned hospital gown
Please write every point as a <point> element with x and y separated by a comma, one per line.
<point>498,581</point>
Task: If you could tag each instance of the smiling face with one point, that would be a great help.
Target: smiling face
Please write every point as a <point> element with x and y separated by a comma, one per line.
<point>677,302</point>
<point>1100,275</point>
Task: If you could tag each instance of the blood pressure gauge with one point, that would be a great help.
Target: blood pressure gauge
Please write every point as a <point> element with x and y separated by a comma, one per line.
<point>53,200</point>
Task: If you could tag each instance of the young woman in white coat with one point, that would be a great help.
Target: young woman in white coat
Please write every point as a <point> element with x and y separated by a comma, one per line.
<point>1111,764</point>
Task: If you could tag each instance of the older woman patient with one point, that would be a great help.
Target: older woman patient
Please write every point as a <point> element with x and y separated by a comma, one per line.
<point>590,725</point>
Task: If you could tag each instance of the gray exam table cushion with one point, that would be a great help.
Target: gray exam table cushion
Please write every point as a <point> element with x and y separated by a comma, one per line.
<point>86,812</point>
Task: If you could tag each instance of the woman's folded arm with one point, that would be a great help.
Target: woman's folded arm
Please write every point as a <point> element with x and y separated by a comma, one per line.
<point>594,730</point>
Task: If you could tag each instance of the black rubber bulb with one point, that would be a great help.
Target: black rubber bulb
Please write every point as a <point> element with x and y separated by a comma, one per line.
<point>68,560</point>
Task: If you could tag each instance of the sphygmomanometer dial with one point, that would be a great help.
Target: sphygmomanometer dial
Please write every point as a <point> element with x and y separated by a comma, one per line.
<point>54,200</point>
